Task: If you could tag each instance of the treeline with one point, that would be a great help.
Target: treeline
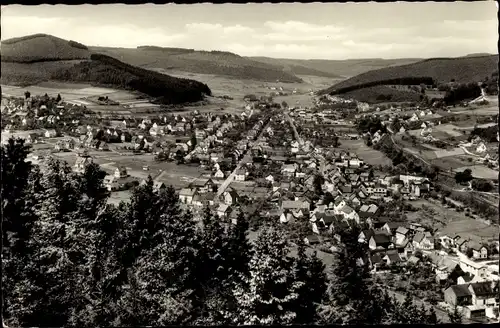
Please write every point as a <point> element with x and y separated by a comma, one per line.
<point>78,45</point>
<point>396,81</point>
<point>370,124</point>
<point>106,70</point>
<point>35,59</point>
<point>71,260</point>
<point>462,92</point>
<point>166,49</point>
<point>24,38</point>
<point>489,134</point>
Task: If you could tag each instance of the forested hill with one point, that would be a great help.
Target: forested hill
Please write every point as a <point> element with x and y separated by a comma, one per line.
<point>107,71</point>
<point>221,63</point>
<point>441,70</point>
<point>42,47</point>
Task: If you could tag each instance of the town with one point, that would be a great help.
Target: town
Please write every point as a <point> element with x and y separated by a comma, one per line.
<point>312,170</point>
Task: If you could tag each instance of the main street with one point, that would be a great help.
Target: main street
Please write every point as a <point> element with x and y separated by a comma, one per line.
<point>295,133</point>
<point>246,159</point>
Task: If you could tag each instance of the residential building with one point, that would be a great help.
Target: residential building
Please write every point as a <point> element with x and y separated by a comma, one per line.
<point>186,195</point>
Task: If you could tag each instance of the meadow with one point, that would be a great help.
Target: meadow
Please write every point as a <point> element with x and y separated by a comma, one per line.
<point>367,154</point>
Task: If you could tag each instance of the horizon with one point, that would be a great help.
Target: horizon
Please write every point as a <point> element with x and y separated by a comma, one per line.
<point>313,31</point>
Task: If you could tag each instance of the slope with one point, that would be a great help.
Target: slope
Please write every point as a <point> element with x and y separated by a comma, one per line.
<point>337,68</point>
<point>41,47</point>
<point>441,70</point>
<point>103,70</point>
<point>199,62</point>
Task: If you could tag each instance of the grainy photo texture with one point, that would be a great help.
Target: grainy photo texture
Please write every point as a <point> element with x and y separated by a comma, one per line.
<point>249,164</point>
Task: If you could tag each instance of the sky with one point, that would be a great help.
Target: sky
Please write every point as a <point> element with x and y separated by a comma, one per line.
<point>297,31</point>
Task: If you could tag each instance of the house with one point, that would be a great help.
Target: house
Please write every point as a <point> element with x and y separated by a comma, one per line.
<point>81,163</point>
<point>111,182</point>
<point>219,174</point>
<point>158,185</point>
<point>240,175</point>
<point>474,268</point>
<point>461,244</point>
<point>121,172</point>
<point>405,249</point>
<point>312,240</point>
<point>401,235</point>
<point>295,205</point>
<point>392,258</point>
<point>230,197</point>
<point>484,293</point>
<point>186,195</point>
<point>458,295</point>
<point>349,213</point>
<point>422,240</point>
<point>288,217</point>
<point>365,235</point>
<point>390,227</point>
<point>204,185</point>
<point>223,210</point>
<point>289,169</point>
<point>478,251</point>
<point>380,241</point>
<point>367,211</point>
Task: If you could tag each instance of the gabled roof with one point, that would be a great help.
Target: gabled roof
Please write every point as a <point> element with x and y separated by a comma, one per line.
<point>402,230</point>
<point>393,257</point>
<point>482,288</point>
<point>381,238</point>
<point>461,290</point>
<point>222,208</point>
<point>187,192</point>
<point>419,236</point>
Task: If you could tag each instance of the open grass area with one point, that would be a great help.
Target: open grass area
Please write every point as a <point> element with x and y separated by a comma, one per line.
<point>367,154</point>
<point>480,171</point>
<point>455,223</point>
<point>119,196</point>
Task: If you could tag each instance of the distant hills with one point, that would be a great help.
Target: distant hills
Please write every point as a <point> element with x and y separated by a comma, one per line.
<point>441,70</point>
<point>337,68</point>
<point>200,62</point>
<point>42,47</point>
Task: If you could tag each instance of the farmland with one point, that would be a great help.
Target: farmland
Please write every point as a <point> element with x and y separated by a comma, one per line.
<point>480,171</point>
<point>449,221</point>
<point>367,154</point>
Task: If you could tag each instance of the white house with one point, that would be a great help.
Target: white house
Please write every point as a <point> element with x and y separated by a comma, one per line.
<point>186,195</point>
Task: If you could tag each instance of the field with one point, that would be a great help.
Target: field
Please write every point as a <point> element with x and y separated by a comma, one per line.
<point>454,222</point>
<point>85,94</point>
<point>367,154</point>
<point>448,129</point>
<point>480,171</point>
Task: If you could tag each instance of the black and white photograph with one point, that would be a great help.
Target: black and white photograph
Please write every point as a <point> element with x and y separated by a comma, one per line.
<point>249,164</point>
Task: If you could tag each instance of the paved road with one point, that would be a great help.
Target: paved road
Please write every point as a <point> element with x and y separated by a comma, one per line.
<point>296,134</point>
<point>246,159</point>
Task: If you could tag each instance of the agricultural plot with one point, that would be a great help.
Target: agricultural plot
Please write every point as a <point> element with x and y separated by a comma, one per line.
<point>447,153</point>
<point>455,223</point>
<point>480,171</point>
<point>449,129</point>
<point>367,154</point>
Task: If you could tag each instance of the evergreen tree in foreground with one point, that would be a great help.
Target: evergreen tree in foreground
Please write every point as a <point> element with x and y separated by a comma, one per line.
<point>269,295</point>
